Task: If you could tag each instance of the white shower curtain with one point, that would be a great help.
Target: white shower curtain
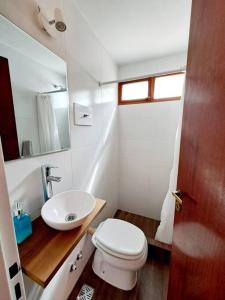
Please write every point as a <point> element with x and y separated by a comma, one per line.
<point>47,125</point>
<point>165,230</point>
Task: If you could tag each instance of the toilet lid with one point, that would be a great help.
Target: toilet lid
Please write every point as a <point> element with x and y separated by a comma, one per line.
<point>120,237</point>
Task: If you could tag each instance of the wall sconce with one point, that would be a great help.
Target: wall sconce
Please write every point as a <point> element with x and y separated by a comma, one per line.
<point>51,25</point>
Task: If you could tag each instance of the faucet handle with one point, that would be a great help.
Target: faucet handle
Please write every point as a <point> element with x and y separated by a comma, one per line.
<point>48,166</point>
<point>46,169</point>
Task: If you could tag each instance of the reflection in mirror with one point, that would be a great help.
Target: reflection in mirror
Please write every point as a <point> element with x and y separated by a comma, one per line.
<point>39,93</point>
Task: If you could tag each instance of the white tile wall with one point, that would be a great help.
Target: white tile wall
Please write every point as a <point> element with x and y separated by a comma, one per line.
<point>25,182</point>
<point>91,144</point>
<point>147,133</point>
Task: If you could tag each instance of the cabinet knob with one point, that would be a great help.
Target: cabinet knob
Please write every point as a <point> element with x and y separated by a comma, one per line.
<point>73,267</point>
<point>79,255</point>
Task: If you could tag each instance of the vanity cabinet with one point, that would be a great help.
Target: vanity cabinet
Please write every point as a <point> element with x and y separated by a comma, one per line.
<point>64,280</point>
<point>48,258</point>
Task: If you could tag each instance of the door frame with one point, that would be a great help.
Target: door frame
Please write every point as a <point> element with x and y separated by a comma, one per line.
<point>9,255</point>
<point>4,287</point>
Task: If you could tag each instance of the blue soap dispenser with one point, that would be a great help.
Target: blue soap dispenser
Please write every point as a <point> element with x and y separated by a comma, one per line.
<point>22,224</point>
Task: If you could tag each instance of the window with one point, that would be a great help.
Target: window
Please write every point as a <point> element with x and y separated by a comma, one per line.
<point>168,86</point>
<point>159,88</point>
<point>135,90</point>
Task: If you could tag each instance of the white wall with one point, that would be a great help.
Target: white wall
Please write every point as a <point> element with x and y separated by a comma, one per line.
<point>91,164</point>
<point>146,139</point>
<point>165,64</point>
<point>147,133</point>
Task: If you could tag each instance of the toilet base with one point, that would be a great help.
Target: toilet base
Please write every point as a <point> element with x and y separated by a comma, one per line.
<point>120,278</point>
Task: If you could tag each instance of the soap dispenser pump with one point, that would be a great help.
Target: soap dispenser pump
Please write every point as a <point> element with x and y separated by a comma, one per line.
<point>22,223</point>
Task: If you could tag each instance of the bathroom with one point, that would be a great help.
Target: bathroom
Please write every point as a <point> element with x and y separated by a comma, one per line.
<point>117,74</point>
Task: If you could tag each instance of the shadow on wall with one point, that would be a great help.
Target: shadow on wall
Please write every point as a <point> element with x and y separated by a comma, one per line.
<point>99,156</point>
<point>94,148</point>
<point>29,185</point>
<point>101,177</point>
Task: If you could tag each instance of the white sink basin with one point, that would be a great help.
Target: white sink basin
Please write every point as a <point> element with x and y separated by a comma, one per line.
<point>68,210</point>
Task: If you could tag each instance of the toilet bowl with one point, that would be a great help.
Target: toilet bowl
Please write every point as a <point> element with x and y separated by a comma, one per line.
<point>121,250</point>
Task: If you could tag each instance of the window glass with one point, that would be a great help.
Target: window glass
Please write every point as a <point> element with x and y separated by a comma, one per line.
<point>135,90</point>
<point>168,86</point>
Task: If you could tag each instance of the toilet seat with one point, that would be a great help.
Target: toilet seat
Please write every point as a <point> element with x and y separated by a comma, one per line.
<point>120,239</point>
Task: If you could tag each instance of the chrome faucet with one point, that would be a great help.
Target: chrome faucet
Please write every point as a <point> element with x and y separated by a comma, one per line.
<point>47,179</point>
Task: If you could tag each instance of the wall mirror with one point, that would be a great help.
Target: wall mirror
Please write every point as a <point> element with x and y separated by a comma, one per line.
<point>34,106</point>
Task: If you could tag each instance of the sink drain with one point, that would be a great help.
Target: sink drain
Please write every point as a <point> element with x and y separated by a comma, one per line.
<point>70,217</point>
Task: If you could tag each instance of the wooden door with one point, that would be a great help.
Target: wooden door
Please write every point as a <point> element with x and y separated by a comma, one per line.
<point>8,131</point>
<point>198,250</point>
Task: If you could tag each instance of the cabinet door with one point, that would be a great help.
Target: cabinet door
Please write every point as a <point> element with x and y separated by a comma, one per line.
<point>63,282</point>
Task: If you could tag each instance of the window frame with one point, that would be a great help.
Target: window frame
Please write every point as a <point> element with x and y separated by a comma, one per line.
<point>151,86</point>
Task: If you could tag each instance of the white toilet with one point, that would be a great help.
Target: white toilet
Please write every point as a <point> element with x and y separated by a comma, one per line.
<point>121,251</point>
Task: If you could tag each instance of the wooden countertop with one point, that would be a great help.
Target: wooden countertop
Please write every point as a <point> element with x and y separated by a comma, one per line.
<point>43,253</point>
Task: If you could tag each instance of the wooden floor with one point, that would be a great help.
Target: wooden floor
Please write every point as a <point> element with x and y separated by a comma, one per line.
<point>152,281</point>
<point>147,225</point>
<point>152,278</point>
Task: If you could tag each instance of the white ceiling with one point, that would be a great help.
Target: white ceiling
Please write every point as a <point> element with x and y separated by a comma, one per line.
<point>135,30</point>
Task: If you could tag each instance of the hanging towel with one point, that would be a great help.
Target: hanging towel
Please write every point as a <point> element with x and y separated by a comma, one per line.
<point>27,148</point>
<point>47,125</point>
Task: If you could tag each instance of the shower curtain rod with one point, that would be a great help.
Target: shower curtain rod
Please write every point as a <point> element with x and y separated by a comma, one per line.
<point>51,92</point>
<point>182,69</point>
